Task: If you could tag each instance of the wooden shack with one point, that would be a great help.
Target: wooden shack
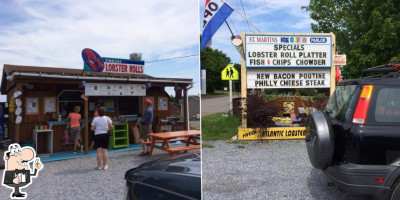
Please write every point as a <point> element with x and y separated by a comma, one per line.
<point>42,96</point>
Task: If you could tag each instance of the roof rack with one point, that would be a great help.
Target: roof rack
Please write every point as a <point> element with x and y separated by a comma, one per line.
<point>383,69</point>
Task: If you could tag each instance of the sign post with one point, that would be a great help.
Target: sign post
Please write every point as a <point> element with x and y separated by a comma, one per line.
<point>284,60</point>
<point>230,96</point>
<point>338,61</point>
<point>230,73</point>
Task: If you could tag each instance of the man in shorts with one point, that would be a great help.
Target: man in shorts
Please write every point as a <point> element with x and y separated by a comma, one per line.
<point>145,127</point>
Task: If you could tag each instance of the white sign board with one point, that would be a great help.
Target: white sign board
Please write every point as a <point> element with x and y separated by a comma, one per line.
<point>112,89</point>
<point>286,79</point>
<point>294,51</point>
<point>116,65</point>
<point>339,60</point>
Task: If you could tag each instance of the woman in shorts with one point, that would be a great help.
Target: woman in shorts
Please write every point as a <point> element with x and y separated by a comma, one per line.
<point>100,125</point>
<point>75,127</point>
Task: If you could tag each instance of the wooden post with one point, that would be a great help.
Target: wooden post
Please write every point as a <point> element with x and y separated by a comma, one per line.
<point>86,124</point>
<point>17,126</point>
<point>185,108</point>
<point>243,78</point>
<point>333,69</point>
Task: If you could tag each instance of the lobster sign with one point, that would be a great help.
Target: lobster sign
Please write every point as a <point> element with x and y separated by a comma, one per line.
<point>93,62</point>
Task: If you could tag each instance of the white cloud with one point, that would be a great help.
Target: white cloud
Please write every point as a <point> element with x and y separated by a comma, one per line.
<point>59,30</point>
<point>53,33</point>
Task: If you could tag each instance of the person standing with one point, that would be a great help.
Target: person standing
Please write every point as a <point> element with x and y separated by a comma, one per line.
<point>145,127</point>
<point>75,127</point>
<point>95,114</point>
<point>231,73</point>
<point>100,125</point>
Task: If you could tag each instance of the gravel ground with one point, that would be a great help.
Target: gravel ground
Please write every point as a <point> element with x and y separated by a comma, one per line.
<point>275,169</point>
<point>77,178</point>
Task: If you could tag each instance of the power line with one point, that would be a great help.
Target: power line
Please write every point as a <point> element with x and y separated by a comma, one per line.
<point>245,14</point>
<point>255,11</point>
<point>247,3</point>
<point>268,13</point>
<point>233,25</point>
<point>248,21</point>
<point>172,58</point>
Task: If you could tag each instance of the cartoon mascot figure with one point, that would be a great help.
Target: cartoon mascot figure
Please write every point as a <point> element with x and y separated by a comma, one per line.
<point>17,173</point>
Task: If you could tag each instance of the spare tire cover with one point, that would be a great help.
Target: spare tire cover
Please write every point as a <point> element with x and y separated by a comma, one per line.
<point>319,140</point>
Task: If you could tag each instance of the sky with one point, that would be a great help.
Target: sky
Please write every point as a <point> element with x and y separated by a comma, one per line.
<point>269,16</point>
<point>54,33</point>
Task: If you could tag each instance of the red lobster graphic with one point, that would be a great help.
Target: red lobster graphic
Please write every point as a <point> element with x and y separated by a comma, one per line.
<point>94,62</point>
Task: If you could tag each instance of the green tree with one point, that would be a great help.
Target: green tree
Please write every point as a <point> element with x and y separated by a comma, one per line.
<point>367,31</point>
<point>214,61</point>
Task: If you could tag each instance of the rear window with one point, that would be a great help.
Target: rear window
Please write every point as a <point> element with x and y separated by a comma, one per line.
<point>342,103</point>
<point>387,108</point>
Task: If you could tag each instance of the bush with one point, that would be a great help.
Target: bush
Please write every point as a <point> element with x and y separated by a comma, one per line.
<point>320,97</point>
<point>271,91</point>
<point>259,112</point>
<point>210,89</point>
<point>320,101</point>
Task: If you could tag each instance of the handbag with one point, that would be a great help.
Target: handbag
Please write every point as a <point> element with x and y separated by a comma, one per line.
<point>110,131</point>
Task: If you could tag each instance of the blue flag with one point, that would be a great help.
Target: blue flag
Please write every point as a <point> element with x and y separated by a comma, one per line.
<point>216,12</point>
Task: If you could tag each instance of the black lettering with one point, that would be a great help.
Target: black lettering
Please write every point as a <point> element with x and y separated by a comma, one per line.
<point>213,6</point>
<point>207,13</point>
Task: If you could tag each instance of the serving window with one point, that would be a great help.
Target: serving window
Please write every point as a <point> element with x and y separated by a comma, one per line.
<point>129,105</point>
<point>67,99</point>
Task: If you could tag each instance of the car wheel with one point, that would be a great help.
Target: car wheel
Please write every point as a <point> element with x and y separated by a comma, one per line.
<point>319,140</point>
<point>394,193</point>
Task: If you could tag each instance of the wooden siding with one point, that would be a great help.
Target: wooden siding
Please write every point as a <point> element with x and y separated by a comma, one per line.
<point>42,90</point>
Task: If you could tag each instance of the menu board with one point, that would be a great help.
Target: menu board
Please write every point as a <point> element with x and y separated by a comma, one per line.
<point>32,105</point>
<point>162,103</point>
<point>288,51</point>
<point>114,89</point>
<point>49,104</point>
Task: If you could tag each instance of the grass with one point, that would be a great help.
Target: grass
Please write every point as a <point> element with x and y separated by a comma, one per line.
<point>218,127</point>
<point>232,141</point>
<point>207,146</point>
<point>240,146</point>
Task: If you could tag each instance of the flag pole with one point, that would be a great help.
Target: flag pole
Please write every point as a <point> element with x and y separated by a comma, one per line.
<point>242,16</point>
<point>229,28</point>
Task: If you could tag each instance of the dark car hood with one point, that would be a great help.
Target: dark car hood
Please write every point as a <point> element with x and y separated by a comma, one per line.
<point>179,177</point>
<point>184,165</point>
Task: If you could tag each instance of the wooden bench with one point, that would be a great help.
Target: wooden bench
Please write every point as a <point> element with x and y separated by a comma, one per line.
<point>176,150</point>
<point>148,143</point>
<point>192,147</point>
<point>188,137</point>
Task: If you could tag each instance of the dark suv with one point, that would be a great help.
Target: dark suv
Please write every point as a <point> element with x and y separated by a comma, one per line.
<point>356,139</point>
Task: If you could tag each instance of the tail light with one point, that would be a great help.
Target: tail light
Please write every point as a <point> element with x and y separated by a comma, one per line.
<point>379,180</point>
<point>362,106</point>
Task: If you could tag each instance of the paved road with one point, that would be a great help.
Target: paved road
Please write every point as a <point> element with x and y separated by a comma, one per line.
<point>215,104</point>
<point>277,169</point>
<point>77,178</point>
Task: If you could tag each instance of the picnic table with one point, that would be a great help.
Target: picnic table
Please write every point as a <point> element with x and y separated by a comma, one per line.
<point>188,137</point>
